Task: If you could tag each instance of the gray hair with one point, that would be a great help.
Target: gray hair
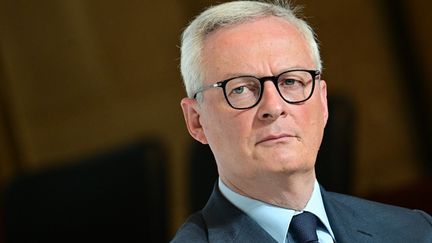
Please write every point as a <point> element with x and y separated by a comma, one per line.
<point>228,14</point>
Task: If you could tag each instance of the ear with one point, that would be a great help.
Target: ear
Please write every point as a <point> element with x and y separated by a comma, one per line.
<point>192,115</point>
<point>323,96</point>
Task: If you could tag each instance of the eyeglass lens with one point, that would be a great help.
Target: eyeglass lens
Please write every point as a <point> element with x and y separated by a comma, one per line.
<point>244,92</point>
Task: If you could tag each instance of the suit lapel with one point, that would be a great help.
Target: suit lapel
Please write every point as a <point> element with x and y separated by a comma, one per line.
<point>346,223</point>
<point>227,223</point>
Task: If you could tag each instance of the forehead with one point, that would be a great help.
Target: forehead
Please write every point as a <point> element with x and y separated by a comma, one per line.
<point>265,46</point>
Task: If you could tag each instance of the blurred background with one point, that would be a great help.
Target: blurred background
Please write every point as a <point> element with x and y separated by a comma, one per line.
<point>91,128</point>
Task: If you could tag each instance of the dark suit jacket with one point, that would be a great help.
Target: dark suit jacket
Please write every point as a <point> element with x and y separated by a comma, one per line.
<point>352,220</point>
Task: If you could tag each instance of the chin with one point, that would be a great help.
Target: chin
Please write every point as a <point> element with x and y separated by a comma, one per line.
<point>288,162</point>
<point>283,164</point>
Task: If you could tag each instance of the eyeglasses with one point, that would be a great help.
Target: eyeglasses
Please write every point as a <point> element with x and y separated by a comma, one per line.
<point>244,92</point>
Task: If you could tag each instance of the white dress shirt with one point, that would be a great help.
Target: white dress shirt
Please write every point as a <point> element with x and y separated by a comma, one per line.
<point>276,220</point>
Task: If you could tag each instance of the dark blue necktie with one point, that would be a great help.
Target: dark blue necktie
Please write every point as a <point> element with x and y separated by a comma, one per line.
<point>303,228</point>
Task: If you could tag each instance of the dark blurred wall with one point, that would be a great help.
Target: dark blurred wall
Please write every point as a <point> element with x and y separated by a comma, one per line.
<point>78,76</point>
<point>361,63</point>
<point>81,76</point>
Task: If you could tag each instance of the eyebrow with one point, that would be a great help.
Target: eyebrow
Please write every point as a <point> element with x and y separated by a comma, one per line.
<point>230,75</point>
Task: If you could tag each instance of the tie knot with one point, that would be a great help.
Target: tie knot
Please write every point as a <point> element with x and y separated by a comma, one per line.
<point>303,227</point>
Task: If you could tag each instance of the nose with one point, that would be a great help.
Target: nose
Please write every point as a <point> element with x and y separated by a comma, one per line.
<point>271,106</point>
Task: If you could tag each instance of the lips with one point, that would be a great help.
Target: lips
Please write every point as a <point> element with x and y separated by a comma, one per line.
<point>276,138</point>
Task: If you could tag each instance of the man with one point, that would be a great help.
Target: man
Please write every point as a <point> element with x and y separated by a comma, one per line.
<point>255,95</point>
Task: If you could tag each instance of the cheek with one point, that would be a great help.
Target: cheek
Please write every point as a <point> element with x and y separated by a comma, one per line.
<point>312,123</point>
<point>316,128</point>
<point>216,127</point>
<point>228,133</point>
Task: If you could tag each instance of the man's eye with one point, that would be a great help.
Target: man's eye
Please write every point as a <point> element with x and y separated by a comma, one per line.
<point>242,88</point>
<point>238,90</point>
<point>289,82</point>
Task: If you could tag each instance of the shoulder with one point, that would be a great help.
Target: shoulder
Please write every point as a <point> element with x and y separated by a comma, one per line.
<point>193,230</point>
<point>384,216</point>
<point>221,221</point>
<point>370,208</point>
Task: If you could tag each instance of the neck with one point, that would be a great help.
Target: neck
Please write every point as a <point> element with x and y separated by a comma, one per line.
<point>288,191</point>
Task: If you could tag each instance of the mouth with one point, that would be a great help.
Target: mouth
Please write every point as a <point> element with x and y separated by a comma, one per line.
<point>280,138</point>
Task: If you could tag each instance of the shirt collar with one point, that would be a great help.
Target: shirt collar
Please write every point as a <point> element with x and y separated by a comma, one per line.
<point>273,219</point>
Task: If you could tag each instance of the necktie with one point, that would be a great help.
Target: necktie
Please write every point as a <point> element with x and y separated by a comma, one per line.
<point>303,228</point>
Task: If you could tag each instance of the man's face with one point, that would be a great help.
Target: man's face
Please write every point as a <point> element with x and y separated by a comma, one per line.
<point>273,138</point>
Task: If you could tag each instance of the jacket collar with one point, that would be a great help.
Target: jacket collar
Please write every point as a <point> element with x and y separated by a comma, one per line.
<point>227,223</point>
<point>347,224</point>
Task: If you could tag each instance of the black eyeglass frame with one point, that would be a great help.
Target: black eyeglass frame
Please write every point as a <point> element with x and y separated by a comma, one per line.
<point>274,79</point>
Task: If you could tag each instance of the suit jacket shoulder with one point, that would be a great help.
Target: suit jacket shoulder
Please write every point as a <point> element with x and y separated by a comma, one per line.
<point>221,221</point>
<point>358,220</point>
<point>193,230</point>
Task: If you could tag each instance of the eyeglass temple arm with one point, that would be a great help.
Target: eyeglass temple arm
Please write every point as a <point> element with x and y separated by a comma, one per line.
<point>215,85</point>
